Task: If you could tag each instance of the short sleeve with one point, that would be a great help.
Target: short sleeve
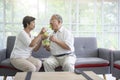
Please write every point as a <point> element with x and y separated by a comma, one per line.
<point>24,38</point>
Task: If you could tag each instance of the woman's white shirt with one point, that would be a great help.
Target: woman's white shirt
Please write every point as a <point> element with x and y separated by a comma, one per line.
<point>21,48</point>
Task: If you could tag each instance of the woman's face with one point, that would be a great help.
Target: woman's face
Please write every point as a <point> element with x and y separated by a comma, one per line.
<point>32,25</point>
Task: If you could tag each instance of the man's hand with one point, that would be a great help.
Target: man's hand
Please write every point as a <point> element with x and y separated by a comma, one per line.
<point>59,42</point>
<point>53,38</point>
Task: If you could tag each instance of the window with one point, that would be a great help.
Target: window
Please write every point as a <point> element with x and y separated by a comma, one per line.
<point>96,18</point>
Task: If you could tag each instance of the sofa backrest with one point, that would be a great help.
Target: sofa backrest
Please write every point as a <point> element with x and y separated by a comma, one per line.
<point>41,53</point>
<point>85,46</point>
<point>10,45</point>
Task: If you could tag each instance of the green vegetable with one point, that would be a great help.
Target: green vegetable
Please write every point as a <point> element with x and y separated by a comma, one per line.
<point>50,27</point>
<point>46,34</point>
<point>46,42</point>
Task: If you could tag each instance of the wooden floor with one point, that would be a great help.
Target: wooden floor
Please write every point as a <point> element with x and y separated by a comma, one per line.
<point>109,77</point>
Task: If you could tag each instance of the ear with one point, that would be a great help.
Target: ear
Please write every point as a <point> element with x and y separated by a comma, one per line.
<point>27,24</point>
<point>59,22</point>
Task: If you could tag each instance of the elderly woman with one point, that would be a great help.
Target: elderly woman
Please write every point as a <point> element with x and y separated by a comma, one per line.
<point>24,45</point>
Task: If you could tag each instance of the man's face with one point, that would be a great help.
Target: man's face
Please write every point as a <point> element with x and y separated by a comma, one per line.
<point>54,23</point>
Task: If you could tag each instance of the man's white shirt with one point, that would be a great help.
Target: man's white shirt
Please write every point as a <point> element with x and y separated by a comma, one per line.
<point>64,35</point>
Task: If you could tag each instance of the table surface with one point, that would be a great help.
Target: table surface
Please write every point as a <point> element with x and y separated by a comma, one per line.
<point>56,76</point>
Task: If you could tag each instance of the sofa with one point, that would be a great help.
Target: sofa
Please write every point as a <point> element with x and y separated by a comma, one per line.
<point>116,64</point>
<point>89,57</point>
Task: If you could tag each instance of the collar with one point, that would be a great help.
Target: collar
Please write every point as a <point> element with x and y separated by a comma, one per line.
<point>61,29</point>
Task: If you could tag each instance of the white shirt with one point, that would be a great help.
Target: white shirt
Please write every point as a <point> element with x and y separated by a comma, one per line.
<point>64,35</point>
<point>21,48</point>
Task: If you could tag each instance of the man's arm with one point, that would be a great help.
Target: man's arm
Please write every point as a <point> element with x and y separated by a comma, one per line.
<point>59,42</point>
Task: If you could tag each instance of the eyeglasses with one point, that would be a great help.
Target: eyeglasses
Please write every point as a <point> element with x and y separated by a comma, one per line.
<point>53,21</point>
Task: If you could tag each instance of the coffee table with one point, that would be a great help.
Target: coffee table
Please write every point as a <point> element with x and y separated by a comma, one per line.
<point>56,76</point>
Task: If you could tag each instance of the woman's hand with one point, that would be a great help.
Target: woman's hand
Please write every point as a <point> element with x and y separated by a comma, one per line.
<point>43,30</point>
<point>44,33</point>
<point>47,47</point>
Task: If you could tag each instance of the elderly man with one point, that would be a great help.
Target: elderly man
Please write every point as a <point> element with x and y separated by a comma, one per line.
<point>61,47</point>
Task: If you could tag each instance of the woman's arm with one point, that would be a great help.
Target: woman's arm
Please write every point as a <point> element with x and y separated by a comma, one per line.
<point>38,46</point>
<point>37,41</point>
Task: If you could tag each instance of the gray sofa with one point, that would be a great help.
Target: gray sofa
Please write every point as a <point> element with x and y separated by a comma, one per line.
<point>116,64</point>
<point>89,57</point>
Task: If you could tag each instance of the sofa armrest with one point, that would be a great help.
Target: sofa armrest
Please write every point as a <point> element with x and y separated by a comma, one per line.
<point>2,54</point>
<point>104,53</point>
<point>114,57</point>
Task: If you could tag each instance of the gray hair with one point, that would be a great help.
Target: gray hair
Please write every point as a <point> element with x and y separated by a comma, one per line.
<point>58,17</point>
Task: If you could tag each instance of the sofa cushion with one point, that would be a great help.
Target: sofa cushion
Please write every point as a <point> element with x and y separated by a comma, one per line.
<point>91,62</point>
<point>117,64</point>
<point>6,64</point>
